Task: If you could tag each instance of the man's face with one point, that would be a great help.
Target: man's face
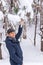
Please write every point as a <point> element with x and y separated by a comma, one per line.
<point>12,34</point>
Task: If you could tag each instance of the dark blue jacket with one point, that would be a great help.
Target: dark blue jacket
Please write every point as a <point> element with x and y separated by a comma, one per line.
<point>13,46</point>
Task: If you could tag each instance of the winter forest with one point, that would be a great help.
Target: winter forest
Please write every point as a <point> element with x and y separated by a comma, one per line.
<point>31,40</point>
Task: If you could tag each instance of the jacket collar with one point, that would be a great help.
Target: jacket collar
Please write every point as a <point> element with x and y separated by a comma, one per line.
<point>10,38</point>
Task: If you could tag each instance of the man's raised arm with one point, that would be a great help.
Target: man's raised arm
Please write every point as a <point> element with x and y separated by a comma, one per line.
<point>20,29</point>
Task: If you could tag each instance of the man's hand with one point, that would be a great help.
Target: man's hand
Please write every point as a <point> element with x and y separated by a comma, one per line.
<point>22,22</point>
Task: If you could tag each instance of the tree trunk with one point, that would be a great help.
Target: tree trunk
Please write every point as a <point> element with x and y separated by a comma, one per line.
<point>24,31</point>
<point>42,42</point>
<point>0,52</point>
<point>35,31</point>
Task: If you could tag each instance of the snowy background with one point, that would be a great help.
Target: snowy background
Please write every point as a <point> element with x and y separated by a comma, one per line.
<point>32,54</point>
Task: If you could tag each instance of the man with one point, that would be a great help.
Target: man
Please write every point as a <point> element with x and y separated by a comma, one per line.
<point>13,45</point>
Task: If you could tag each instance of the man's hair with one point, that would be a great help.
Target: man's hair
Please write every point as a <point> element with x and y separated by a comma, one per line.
<point>10,30</point>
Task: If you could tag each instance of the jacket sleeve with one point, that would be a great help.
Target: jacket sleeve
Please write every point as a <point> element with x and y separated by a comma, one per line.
<point>19,32</point>
<point>13,55</point>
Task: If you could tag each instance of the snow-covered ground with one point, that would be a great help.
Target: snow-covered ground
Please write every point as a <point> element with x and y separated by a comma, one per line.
<point>32,53</point>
